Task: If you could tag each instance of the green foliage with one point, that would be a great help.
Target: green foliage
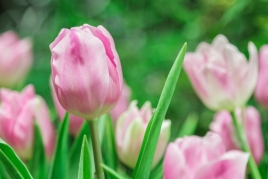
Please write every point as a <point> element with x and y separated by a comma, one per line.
<point>11,162</point>
<point>108,145</point>
<point>76,148</point>
<point>38,165</point>
<point>85,165</point>
<point>112,174</point>
<point>59,166</point>
<point>144,163</point>
<point>189,125</point>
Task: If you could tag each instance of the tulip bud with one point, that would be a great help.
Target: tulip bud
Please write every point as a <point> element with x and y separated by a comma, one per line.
<point>86,71</point>
<point>75,121</point>
<point>261,93</point>
<point>122,104</point>
<point>195,157</point>
<point>223,126</point>
<point>130,131</point>
<point>221,75</point>
<point>15,59</point>
<point>18,112</point>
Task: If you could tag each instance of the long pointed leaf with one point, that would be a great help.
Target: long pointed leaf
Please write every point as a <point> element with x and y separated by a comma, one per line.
<point>11,162</point>
<point>85,167</point>
<point>108,145</point>
<point>113,174</point>
<point>76,148</point>
<point>60,158</point>
<point>37,164</point>
<point>144,163</point>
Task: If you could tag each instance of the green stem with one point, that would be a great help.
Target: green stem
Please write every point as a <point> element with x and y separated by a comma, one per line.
<point>245,147</point>
<point>96,148</point>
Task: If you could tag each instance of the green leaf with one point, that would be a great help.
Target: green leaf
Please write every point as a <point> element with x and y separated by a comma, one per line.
<point>85,167</point>
<point>60,158</point>
<point>11,162</point>
<point>144,163</point>
<point>108,145</point>
<point>3,173</point>
<point>113,174</point>
<point>157,172</point>
<point>189,125</point>
<point>76,148</point>
<point>37,165</point>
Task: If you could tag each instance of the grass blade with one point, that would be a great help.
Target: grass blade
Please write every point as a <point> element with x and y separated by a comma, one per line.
<point>144,163</point>
<point>60,158</point>
<point>85,167</point>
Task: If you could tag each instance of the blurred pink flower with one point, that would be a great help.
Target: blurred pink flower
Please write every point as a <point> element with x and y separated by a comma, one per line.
<point>261,92</point>
<point>195,157</point>
<point>221,75</point>
<point>223,126</point>
<point>86,71</point>
<point>130,130</point>
<point>15,59</point>
<point>18,112</point>
<point>122,104</point>
<point>75,121</point>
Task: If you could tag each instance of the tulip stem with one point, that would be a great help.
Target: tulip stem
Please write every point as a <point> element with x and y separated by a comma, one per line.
<point>99,174</point>
<point>245,146</point>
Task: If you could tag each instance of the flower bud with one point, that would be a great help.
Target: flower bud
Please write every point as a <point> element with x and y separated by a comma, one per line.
<point>86,71</point>
<point>223,125</point>
<point>261,93</point>
<point>130,130</point>
<point>15,59</point>
<point>122,104</point>
<point>221,75</point>
<point>194,157</point>
<point>18,113</point>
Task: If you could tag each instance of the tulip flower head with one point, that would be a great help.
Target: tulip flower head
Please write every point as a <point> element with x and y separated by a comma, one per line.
<point>122,104</point>
<point>15,59</point>
<point>86,71</point>
<point>261,92</point>
<point>130,130</point>
<point>223,126</point>
<point>18,113</point>
<point>194,157</point>
<point>221,75</point>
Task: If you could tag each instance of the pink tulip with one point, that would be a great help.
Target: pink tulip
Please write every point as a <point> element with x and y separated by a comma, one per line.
<point>122,104</point>
<point>86,71</point>
<point>18,112</point>
<point>15,59</point>
<point>221,75</point>
<point>261,92</point>
<point>223,126</point>
<point>75,121</point>
<point>195,157</point>
<point>130,130</point>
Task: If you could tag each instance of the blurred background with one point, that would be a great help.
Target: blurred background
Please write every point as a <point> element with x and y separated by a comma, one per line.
<point>148,36</point>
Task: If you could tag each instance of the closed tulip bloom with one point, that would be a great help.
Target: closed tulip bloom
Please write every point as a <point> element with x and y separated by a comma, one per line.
<point>221,75</point>
<point>130,130</point>
<point>195,157</point>
<point>223,126</point>
<point>75,121</point>
<point>122,104</point>
<point>18,113</point>
<point>15,59</point>
<point>261,92</point>
<point>86,71</point>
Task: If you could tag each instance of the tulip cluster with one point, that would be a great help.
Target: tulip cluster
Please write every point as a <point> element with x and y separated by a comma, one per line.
<point>18,113</point>
<point>87,82</point>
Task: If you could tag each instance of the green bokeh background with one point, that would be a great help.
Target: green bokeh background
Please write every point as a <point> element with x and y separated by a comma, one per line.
<point>148,36</point>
